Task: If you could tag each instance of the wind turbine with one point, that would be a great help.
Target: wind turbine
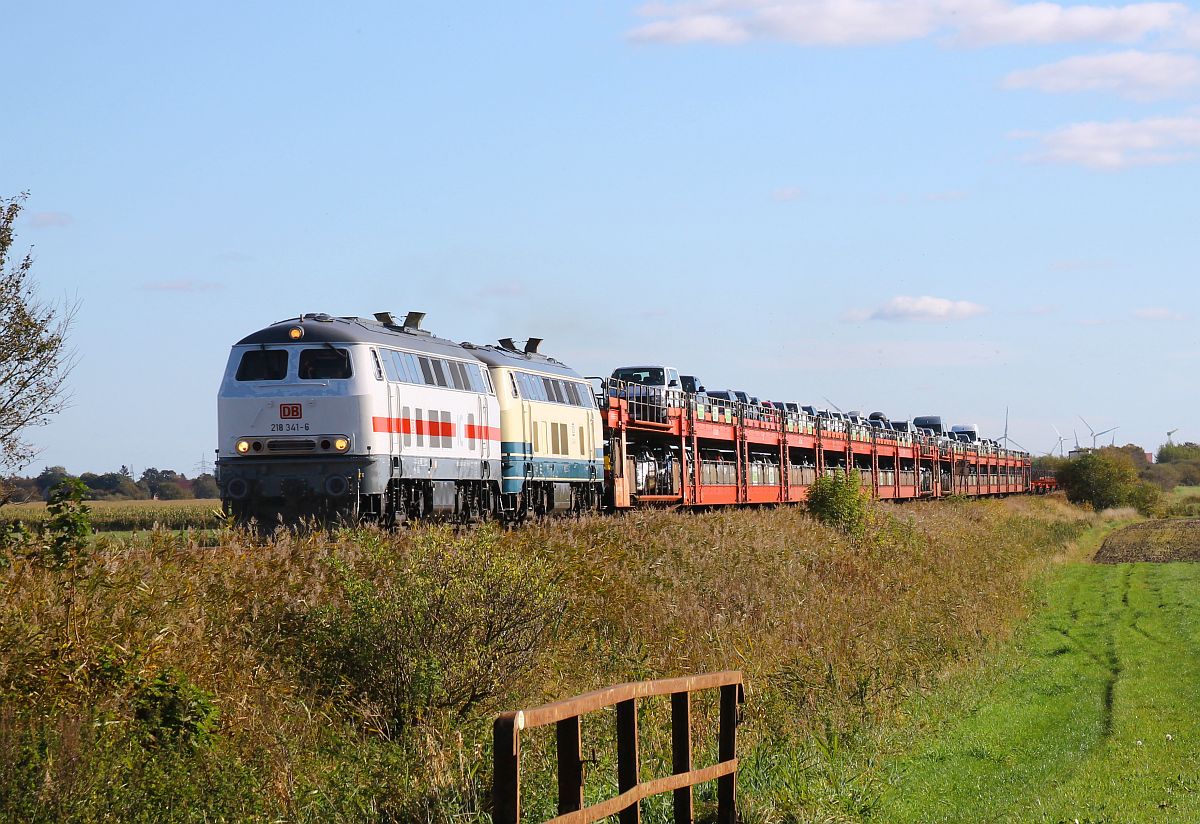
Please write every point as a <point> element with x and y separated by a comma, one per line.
<point>1096,435</point>
<point>1089,428</point>
<point>1170,433</point>
<point>1059,445</point>
<point>1005,439</point>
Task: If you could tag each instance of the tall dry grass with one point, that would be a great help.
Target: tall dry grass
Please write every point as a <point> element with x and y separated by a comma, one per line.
<point>335,663</point>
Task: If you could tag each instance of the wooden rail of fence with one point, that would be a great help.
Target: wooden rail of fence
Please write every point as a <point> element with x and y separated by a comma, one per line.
<point>566,716</point>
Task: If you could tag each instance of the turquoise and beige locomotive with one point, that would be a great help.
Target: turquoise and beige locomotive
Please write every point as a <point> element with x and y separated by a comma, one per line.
<point>373,419</point>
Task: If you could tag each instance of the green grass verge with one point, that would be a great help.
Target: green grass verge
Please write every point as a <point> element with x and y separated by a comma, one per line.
<point>1181,492</point>
<point>1090,716</point>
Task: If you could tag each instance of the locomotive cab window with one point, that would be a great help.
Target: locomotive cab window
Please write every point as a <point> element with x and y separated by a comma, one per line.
<point>324,364</point>
<point>263,365</point>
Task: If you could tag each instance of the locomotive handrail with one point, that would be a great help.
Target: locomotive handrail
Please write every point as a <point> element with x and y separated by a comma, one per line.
<point>566,716</point>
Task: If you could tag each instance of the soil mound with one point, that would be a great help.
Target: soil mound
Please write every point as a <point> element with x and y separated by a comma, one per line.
<point>1172,539</point>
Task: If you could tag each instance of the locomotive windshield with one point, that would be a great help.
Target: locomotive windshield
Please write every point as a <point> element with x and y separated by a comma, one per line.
<point>263,365</point>
<point>324,364</point>
<point>651,376</point>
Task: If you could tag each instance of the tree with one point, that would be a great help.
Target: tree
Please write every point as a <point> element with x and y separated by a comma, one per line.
<point>112,485</point>
<point>205,486</point>
<point>1178,452</point>
<point>153,479</point>
<point>1102,479</point>
<point>34,360</point>
<point>50,477</point>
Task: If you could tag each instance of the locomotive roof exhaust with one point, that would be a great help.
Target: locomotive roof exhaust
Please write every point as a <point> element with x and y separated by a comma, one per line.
<point>411,324</point>
<point>531,346</point>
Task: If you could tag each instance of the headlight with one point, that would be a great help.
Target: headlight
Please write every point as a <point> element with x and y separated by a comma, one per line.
<point>341,444</point>
<point>243,446</point>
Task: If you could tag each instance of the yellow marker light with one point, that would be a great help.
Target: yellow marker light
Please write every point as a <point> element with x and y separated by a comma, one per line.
<point>341,444</point>
<point>295,333</point>
<point>243,447</point>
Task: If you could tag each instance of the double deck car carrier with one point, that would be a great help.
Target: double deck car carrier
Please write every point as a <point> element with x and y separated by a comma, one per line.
<point>673,448</point>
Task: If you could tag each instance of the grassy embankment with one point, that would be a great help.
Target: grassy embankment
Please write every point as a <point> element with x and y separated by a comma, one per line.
<point>1089,715</point>
<point>354,676</point>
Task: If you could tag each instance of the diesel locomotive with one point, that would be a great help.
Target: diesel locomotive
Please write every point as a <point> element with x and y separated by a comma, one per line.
<point>351,419</point>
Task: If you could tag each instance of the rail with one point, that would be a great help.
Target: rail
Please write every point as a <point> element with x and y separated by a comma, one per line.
<point>566,716</point>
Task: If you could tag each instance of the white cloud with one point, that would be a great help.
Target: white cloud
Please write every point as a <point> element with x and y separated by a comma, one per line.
<point>859,22</point>
<point>709,28</point>
<point>1158,313</point>
<point>50,220</point>
<point>925,308</point>
<point>990,23</point>
<point>1119,143</point>
<point>1136,74</point>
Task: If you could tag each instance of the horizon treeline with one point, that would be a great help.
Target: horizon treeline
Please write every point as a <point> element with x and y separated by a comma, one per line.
<point>152,484</point>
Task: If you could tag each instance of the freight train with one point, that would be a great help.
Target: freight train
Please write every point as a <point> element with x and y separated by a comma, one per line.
<point>357,419</point>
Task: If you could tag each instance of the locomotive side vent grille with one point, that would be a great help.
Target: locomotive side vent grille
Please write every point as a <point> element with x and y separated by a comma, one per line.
<point>292,445</point>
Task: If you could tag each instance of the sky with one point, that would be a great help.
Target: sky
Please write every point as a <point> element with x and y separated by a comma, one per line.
<point>922,207</point>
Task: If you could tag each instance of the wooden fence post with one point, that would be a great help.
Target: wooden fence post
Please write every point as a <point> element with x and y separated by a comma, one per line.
<point>727,751</point>
<point>568,735</point>
<point>627,758</point>
<point>506,777</point>
<point>681,753</point>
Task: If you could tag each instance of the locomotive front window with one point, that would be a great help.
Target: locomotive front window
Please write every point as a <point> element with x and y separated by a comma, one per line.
<point>263,365</point>
<point>324,364</point>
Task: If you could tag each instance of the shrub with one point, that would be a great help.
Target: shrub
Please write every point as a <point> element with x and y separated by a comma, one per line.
<point>840,501</point>
<point>1100,479</point>
<point>171,710</point>
<point>438,622</point>
<point>69,525</point>
<point>1147,499</point>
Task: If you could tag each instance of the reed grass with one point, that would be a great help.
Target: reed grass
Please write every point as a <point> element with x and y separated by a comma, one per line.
<point>832,631</point>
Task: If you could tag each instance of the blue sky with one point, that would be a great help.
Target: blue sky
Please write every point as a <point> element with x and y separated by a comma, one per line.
<point>917,207</point>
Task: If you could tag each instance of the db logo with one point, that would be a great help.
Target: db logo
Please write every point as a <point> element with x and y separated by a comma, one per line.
<point>290,410</point>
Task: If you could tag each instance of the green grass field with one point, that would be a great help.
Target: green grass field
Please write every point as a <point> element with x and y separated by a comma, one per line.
<point>1090,716</point>
<point>1181,492</point>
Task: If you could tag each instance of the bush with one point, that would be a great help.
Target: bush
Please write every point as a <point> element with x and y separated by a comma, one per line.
<point>172,710</point>
<point>69,526</point>
<point>840,501</point>
<point>1147,499</point>
<point>439,622</point>
<point>1100,479</point>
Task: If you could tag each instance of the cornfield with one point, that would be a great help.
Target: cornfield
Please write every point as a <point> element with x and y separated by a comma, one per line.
<point>125,516</point>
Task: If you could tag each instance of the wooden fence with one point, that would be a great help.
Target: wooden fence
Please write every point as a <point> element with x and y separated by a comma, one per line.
<point>566,716</point>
